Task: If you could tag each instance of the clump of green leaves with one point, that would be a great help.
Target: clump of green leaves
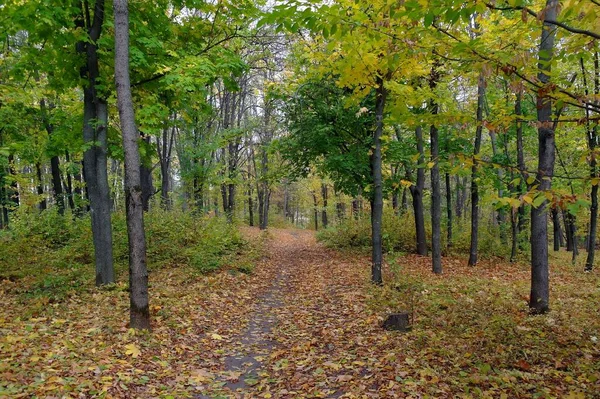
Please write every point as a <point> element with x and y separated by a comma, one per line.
<point>51,256</point>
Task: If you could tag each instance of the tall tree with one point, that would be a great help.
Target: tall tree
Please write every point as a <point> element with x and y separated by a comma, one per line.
<point>436,197</point>
<point>592,132</point>
<point>416,191</point>
<point>139,313</point>
<point>474,177</point>
<point>539,300</point>
<point>95,122</point>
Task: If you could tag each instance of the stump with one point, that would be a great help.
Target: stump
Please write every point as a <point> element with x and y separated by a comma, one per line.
<point>397,322</point>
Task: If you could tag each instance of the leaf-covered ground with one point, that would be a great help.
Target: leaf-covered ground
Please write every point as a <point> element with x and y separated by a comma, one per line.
<point>306,323</point>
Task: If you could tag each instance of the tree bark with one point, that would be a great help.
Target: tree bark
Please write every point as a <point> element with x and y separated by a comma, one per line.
<point>315,210</point>
<point>54,162</point>
<point>436,211</point>
<point>556,229</point>
<point>95,119</point>
<point>324,220</point>
<point>592,144</point>
<point>40,187</point>
<point>474,177</point>
<point>416,191</point>
<point>376,175</point>
<point>449,209</point>
<point>539,300</point>
<point>146,179</point>
<point>138,274</point>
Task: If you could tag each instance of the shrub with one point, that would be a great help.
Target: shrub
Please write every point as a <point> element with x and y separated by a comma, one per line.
<point>398,235</point>
<point>52,255</point>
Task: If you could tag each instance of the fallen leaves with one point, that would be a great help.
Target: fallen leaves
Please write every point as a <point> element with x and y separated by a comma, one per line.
<point>472,335</point>
<point>132,350</point>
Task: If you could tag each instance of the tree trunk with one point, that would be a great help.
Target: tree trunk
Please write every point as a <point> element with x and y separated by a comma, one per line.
<point>474,177</point>
<point>436,211</point>
<point>449,209</point>
<point>95,118</point>
<point>556,233</point>
<point>40,187</point>
<point>69,186</point>
<point>355,208</point>
<point>164,148</point>
<point>324,210</point>
<point>315,210</point>
<point>54,162</point>
<point>539,299</point>
<point>459,197</point>
<point>593,142</point>
<point>250,207</point>
<point>146,179</point>
<point>138,275</point>
<point>568,229</point>
<point>13,192</point>
<point>376,175</point>
<point>416,191</point>
<point>404,202</point>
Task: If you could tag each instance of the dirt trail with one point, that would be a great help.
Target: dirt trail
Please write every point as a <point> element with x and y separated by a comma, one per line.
<point>290,252</point>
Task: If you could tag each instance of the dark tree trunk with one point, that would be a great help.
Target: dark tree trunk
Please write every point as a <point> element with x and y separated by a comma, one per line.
<point>474,170</point>
<point>459,197</point>
<point>69,190</point>
<point>146,178</point>
<point>95,118</point>
<point>568,229</point>
<point>355,208</point>
<point>340,210</point>
<point>324,210</point>
<point>449,209</point>
<point>138,275</point>
<point>395,191</point>
<point>539,298</point>
<point>316,210</point>
<point>376,176</point>
<point>557,233</point>
<point>54,162</point>
<point>404,206</point>
<point>593,142</point>
<point>286,201</point>
<point>436,208</point>
<point>40,187</point>
<point>416,191</point>
<point>13,192</point>
<point>250,208</point>
<point>164,147</point>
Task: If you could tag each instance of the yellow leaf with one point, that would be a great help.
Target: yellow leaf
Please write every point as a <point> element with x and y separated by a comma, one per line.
<point>530,179</point>
<point>528,199</point>
<point>132,350</point>
<point>216,337</point>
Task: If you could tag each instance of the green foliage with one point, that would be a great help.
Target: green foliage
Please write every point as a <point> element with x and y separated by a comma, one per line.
<point>399,236</point>
<point>53,256</point>
<point>328,133</point>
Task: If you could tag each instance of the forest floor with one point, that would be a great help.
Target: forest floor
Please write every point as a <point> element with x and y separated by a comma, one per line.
<point>307,323</point>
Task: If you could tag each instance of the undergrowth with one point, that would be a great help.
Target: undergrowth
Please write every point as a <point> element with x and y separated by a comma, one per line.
<point>53,256</point>
<point>398,235</point>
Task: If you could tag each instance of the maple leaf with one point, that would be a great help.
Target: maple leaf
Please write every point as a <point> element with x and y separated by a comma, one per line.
<point>132,350</point>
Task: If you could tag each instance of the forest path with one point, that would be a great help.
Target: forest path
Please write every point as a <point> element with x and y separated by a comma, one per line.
<point>292,317</point>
